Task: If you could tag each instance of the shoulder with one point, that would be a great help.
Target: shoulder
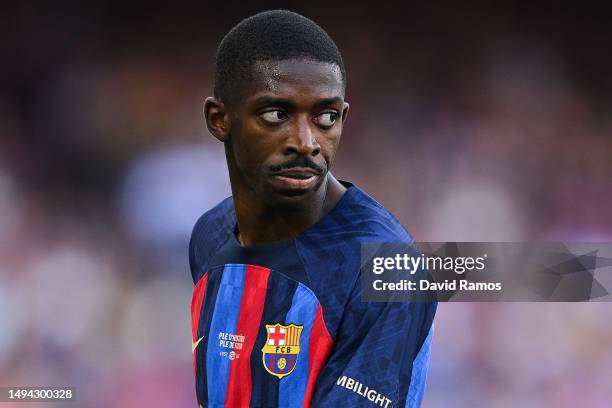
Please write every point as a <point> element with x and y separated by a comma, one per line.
<point>361,218</point>
<point>380,222</point>
<point>218,217</point>
<point>211,231</point>
<point>331,250</point>
<point>356,219</point>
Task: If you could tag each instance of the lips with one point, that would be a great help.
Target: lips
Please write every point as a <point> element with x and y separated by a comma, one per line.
<point>296,178</point>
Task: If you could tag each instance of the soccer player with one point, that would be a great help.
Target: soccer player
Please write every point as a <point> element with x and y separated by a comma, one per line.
<point>276,311</point>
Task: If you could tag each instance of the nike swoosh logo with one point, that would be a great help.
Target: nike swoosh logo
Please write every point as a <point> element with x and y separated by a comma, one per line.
<point>194,345</point>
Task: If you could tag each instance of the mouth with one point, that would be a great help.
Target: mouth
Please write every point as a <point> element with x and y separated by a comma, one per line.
<point>297,178</point>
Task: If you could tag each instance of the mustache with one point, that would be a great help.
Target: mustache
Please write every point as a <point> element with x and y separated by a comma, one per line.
<point>302,161</point>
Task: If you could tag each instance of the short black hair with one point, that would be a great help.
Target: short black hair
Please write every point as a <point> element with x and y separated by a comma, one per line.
<point>273,35</point>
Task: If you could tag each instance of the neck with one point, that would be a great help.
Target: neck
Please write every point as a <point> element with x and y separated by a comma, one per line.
<point>260,223</point>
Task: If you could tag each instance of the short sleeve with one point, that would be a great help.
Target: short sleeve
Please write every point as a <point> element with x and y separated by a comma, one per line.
<point>379,357</point>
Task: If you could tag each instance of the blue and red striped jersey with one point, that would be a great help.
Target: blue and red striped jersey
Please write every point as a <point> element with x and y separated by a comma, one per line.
<point>283,325</point>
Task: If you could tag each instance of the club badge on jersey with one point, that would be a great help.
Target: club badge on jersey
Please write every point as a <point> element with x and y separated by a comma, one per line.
<point>282,348</point>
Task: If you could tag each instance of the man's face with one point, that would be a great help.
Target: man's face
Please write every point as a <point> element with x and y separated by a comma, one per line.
<point>284,129</point>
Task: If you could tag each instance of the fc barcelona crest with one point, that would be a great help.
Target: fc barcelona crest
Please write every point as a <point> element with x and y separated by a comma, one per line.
<point>280,353</point>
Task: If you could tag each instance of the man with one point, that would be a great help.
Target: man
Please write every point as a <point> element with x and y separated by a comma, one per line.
<point>277,314</point>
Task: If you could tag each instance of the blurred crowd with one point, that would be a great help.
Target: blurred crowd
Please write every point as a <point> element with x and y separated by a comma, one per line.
<point>468,124</point>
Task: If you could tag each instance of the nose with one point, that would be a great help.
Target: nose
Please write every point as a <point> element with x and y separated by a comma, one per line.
<point>302,140</point>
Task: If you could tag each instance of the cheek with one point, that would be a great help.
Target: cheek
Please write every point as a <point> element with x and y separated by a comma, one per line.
<point>329,144</point>
<point>246,157</point>
<point>250,152</point>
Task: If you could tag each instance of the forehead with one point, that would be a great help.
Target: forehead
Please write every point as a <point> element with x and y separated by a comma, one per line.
<point>295,78</point>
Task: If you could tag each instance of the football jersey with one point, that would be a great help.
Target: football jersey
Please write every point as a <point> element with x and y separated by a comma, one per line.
<point>283,325</point>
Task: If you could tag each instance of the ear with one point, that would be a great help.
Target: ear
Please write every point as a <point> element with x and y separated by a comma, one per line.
<point>216,118</point>
<point>345,109</point>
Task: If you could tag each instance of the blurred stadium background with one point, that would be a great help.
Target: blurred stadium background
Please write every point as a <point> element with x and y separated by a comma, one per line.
<point>468,122</point>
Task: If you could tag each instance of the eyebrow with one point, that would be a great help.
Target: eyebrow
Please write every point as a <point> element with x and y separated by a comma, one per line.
<point>287,103</point>
<point>328,101</point>
<point>272,100</point>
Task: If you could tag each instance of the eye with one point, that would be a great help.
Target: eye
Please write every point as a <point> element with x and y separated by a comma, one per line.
<point>327,119</point>
<point>274,116</point>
